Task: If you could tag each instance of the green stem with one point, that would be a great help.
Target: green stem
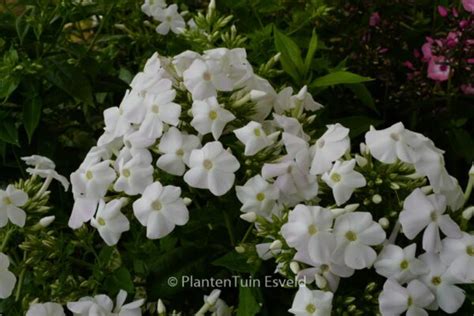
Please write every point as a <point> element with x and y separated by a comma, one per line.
<point>468,191</point>
<point>6,239</point>
<point>247,233</point>
<point>229,228</point>
<point>20,279</point>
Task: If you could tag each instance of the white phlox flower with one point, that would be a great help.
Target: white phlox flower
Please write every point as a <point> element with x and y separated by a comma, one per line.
<point>134,176</point>
<point>11,201</point>
<point>210,117</point>
<point>254,138</point>
<point>102,305</point>
<point>110,222</point>
<point>330,147</point>
<point>170,20</point>
<point>399,263</point>
<point>257,195</point>
<point>45,309</point>
<point>7,279</point>
<point>39,162</point>
<point>458,253</point>
<point>212,167</point>
<point>311,303</point>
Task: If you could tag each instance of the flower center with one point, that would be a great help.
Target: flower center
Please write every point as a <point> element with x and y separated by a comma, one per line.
<point>260,196</point>
<point>155,108</point>
<point>257,132</point>
<point>470,250</point>
<point>310,308</point>
<point>213,115</point>
<point>180,152</point>
<point>434,216</point>
<point>395,137</point>
<point>101,221</point>
<point>404,265</point>
<point>89,175</point>
<point>351,236</point>
<point>436,280</point>
<point>126,173</point>
<point>206,76</point>
<point>7,201</point>
<point>321,143</point>
<point>169,19</point>
<point>207,164</point>
<point>336,177</point>
<point>156,205</point>
<point>324,268</point>
<point>312,229</point>
<point>410,301</point>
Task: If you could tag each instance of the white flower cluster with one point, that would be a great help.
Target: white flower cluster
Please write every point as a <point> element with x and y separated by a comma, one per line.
<point>171,122</point>
<point>333,242</point>
<point>168,16</point>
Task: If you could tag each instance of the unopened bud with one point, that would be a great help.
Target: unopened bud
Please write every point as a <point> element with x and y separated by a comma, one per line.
<point>277,57</point>
<point>276,245</point>
<point>187,201</point>
<point>240,249</point>
<point>377,199</point>
<point>161,308</point>
<point>351,207</point>
<point>427,189</point>
<point>212,298</point>
<point>302,93</point>
<point>46,221</point>
<point>394,186</point>
<point>468,213</point>
<point>363,149</point>
<point>361,161</point>
<point>311,119</point>
<point>257,95</point>
<point>249,217</point>
<point>471,171</point>
<point>294,267</point>
<point>384,222</point>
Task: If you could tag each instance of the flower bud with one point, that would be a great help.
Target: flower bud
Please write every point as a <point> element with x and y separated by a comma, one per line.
<point>427,189</point>
<point>468,213</point>
<point>257,95</point>
<point>361,161</point>
<point>471,171</point>
<point>249,217</point>
<point>212,298</point>
<point>377,199</point>
<point>161,308</point>
<point>394,186</point>
<point>239,249</point>
<point>351,207</point>
<point>384,222</point>
<point>320,281</point>
<point>363,149</point>
<point>294,267</point>
<point>277,57</point>
<point>187,201</point>
<point>276,245</point>
<point>46,221</point>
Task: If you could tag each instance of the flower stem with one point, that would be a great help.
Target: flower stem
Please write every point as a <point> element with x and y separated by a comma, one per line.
<point>394,233</point>
<point>20,279</point>
<point>6,239</point>
<point>229,227</point>
<point>468,191</point>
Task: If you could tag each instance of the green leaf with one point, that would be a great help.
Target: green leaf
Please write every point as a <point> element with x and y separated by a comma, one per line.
<point>364,95</point>
<point>462,143</point>
<point>290,55</point>
<point>70,79</point>
<point>32,115</point>
<point>338,77</point>
<point>236,262</point>
<point>248,305</point>
<point>9,133</point>
<point>313,46</point>
<point>119,279</point>
<point>22,26</point>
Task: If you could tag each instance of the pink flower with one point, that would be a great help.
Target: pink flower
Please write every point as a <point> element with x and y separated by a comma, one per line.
<point>468,5</point>
<point>426,50</point>
<point>438,68</point>
<point>374,19</point>
<point>442,11</point>
<point>452,39</point>
<point>467,89</point>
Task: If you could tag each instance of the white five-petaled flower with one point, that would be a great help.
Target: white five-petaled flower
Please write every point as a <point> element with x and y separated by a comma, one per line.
<point>134,175</point>
<point>330,147</point>
<point>396,299</point>
<point>203,80</point>
<point>160,109</point>
<point>213,168</point>
<point>311,303</point>
<point>355,233</point>
<point>394,142</point>
<point>399,264</point>
<point>170,19</point>
<point>343,180</point>
<point>420,212</point>
<point>89,184</point>
<point>257,195</point>
<point>441,282</point>
<point>110,222</point>
<point>254,138</point>
<point>45,309</point>
<point>458,253</point>
<point>49,174</point>
<point>10,202</point>
<point>151,6</point>
<point>309,227</point>
<point>210,117</point>
<point>160,209</point>
<point>102,305</point>
<point>176,148</point>
<point>7,279</point>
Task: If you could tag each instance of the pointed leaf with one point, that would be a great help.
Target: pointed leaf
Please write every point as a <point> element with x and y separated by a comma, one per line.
<point>338,77</point>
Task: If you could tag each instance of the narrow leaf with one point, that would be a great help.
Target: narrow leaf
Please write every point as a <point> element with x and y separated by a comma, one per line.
<point>313,46</point>
<point>338,77</point>
<point>32,115</point>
